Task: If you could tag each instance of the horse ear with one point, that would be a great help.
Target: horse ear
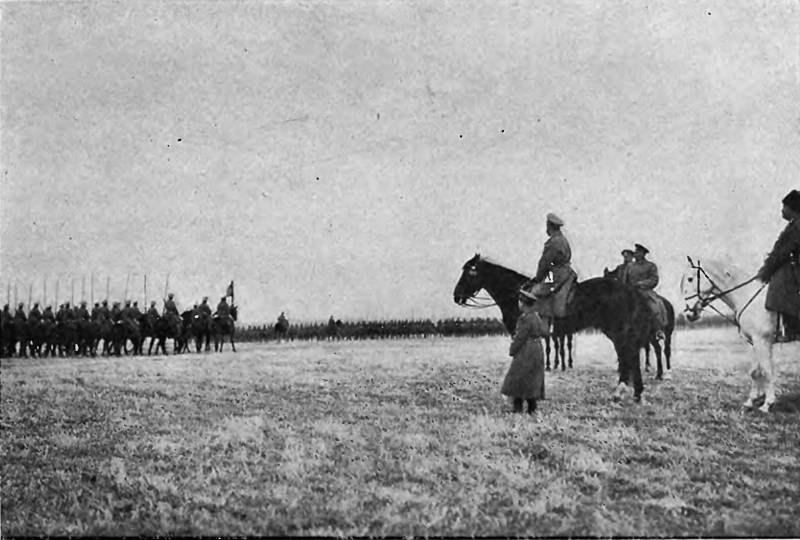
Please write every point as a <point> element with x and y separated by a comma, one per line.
<point>691,262</point>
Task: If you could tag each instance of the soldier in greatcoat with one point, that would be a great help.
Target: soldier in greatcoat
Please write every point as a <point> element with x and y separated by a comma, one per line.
<point>19,315</point>
<point>83,312</point>
<point>555,259</point>
<point>204,307</point>
<point>95,311</point>
<point>35,315</point>
<point>104,311</point>
<point>223,309</point>
<point>169,305</point>
<point>524,380</point>
<point>152,311</point>
<point>621,271</point>
<point>781,270</point>
<point>48,315</point>
<point>643,275</point>
<point>116,312</point>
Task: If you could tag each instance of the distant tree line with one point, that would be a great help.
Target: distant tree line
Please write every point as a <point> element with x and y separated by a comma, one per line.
<point>406,328</point>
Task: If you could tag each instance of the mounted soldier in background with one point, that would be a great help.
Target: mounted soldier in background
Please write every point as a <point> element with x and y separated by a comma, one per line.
<point>553,297</point>
<point>620,273</point>
<point>643,275</point>
<point>780,270</point>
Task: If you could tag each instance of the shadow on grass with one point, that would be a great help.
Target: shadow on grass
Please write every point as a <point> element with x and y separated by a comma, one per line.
<point>787,403</point>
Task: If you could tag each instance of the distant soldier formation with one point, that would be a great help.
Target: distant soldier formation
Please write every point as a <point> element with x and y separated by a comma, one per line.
<point>115,329</point>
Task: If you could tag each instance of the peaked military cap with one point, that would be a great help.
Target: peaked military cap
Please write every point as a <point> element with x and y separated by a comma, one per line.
<point>792,200</point>
<point>640,247</point>
<point>628,251</point>
<point>555,220</point>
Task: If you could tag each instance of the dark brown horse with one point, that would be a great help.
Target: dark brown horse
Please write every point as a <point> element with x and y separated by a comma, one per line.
<point>618,311</point>
<point>654,342</point>
<point>224,326</point>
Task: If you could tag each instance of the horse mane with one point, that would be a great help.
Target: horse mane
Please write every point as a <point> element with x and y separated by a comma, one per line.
<point>491,261</point>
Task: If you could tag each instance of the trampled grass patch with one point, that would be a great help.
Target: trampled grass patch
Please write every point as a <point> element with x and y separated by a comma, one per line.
<point>393,438</point>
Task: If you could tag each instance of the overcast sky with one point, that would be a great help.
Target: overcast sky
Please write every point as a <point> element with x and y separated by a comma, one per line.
<point>348,157</point>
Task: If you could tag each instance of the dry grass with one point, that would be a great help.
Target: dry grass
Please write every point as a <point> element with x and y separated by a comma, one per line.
<point>394,438</point>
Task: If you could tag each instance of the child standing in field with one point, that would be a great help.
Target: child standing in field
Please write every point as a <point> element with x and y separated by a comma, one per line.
<point>525,377</point>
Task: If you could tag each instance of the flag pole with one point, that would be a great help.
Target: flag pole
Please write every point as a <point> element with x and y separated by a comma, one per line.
<point>72,292</point>
<point>91,288</point>
<point>108,287</point>
<point>127,281</point>
<point>56,298</point>
<point>44,292</point>
<point>145,290</point>
<point>16,298</point>
<point>30,294</point>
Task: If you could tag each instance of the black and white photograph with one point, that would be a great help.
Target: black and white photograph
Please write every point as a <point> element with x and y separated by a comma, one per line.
<point>400,268</point>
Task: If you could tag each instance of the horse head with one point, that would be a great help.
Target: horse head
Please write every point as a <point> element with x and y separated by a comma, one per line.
<point>703,283</point>
<point>470,282</point>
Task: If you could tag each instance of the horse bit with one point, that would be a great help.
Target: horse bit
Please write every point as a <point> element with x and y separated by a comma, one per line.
<point>703,302</point>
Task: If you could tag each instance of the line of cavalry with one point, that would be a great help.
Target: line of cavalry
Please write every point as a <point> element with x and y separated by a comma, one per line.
<point>73,330</point>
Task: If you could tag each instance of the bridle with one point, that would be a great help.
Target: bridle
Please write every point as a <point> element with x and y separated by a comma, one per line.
<point>716,292</point>
<point>475,302</point>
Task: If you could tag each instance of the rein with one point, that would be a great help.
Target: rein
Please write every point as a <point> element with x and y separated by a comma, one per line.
<point>707,301</point>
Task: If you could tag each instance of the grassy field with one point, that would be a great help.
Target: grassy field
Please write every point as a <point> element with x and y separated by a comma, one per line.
<point>395,438</point>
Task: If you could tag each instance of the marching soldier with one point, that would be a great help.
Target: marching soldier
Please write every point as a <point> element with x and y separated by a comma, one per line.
<point>780,270</point>
<point>643,275</point>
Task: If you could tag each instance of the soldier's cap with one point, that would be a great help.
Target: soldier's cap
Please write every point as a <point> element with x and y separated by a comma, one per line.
<point>83,302</point>
<point>136,303</point>
<point>640,247</point>
<point>105,302</point>
<point>152,302</point>
<point>170,295</point>
<point>792,200</point>
<point>35,304</point>
<point>222,298</point>
<point>555,220</point>
<point>627,251</point>
<point>205,298</point>
<point>21,304</point>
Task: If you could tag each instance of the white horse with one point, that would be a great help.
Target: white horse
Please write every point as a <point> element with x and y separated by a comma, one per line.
<point>710,280</point>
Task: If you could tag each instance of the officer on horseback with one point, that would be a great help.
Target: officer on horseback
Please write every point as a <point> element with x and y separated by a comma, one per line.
<point>35,315</point>
<point>104,311</point>
<point>20,313</point>
<point>620,273</point>
<point>95,311</point>
<point>169,305</point>
<point>643,275</point>
<point>223,309</point>
<point>555,259</point>
<point>780,270</point>
<point>152,311</point>
<point>204,308</point>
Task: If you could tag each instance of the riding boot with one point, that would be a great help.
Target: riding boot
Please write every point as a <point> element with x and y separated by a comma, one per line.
<point>531,406</point>
<point>517,405</point>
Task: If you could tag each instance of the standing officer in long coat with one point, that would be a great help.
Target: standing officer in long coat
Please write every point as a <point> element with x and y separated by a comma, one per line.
<point>555,258</point>
<point>643,275</point>
<point>780,270</point>
<point>525,377</point>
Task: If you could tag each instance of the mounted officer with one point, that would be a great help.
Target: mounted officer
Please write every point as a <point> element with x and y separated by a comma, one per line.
<point>48,315</point>
<point>204,308</point>
<point>82,313</point>
<point>620,273</point>
<point>223,309</point>
<point>152,311</point>
<point>136,313</point>
<point>104,311</point>
<point>95,311</point>
<point>780,270</point>
<point>116,312</point>
<point>19,315</point>
<point>556,256</point>
<point>169,305</point>
<point>35,315</point>
<point>643,275</point>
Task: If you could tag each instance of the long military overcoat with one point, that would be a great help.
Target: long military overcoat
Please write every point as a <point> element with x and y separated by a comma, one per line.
<point>525,376</point>
<point>781,272</point>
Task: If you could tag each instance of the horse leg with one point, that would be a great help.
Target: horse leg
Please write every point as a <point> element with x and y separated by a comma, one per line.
<point>233,346</point>
<point>659,366</point>
<point>569,349</point>
<point>622,368</point>
<point>668,351</point>
<point>647,354</point>
<point>547,353</point>
<point>560,352</point>
<point>762,375</point>
<point>636,369</point>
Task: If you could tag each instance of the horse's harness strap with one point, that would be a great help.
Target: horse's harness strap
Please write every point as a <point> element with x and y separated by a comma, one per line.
<point>707,302</point>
